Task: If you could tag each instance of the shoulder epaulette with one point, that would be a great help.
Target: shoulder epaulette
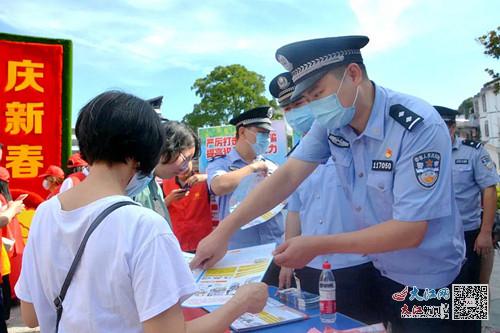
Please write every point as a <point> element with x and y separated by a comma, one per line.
<point>216,158</point>
<point>405,117</point>
<point>472,143</point>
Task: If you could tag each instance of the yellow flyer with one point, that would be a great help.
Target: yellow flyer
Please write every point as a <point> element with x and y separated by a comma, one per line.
<point>238,267</point>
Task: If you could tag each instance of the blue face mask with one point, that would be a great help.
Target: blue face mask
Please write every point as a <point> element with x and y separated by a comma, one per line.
<point>300,119</point>
<point>138,183</point>
<point>330,113</point>
<point>262,142</point>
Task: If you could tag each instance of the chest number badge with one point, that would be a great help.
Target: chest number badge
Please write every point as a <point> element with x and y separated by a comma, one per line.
<point>381,165</point>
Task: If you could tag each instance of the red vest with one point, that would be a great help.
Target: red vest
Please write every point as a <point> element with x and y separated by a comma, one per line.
<point>55,192</point>
<point>77,177</point>
<point>13,231</point>
<point>191,216</point>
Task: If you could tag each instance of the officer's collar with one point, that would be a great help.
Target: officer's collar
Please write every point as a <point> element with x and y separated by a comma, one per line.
<point>456,144</point>
<point>375,127</point>
<point>234,156</point>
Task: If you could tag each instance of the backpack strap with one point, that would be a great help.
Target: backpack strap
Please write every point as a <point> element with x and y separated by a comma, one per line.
<point>67,281</point>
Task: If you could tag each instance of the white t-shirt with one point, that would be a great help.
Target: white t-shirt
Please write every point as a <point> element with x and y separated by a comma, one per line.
<point>132,268</point>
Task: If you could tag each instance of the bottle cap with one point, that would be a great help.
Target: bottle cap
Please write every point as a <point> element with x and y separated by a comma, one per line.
<point>326,265</point>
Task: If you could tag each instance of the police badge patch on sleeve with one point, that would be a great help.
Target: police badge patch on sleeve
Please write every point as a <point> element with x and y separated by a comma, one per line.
<point>426,166</point>
<point>487,162</point>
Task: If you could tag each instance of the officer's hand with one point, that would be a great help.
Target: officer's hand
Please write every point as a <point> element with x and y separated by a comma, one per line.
<point>285,280</point>
<point>295,252</point>
<point>209,251</point>
<point>483,243</point>
<point>197,178</point>
<point>251,297</point>
<point>259,166</point>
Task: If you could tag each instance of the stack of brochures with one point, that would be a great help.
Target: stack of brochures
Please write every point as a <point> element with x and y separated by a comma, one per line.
<point>274,313</point>
<point>218,284</point>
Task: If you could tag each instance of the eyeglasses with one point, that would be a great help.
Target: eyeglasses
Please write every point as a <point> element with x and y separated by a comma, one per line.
<point>185,160</point>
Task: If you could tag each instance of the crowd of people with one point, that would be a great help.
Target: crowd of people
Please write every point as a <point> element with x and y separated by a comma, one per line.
<point>379,185</point>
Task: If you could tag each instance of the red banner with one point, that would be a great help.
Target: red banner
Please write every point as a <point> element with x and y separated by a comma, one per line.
<point>30,111</point>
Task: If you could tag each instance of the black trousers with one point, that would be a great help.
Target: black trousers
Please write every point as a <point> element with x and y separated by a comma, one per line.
<point>354,289</point>
<point>272,276</point>
<point>392,310</point>
<point>3,325</point>
<point>6,296</point>
<point>472,266</point>
<point>469,274</point>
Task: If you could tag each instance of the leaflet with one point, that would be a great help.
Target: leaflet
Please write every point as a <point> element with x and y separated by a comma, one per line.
<point>265,217</point>
<point>197,272</point>
<point>274,313</point>
<point>245,187</point>
<point>238,267</point>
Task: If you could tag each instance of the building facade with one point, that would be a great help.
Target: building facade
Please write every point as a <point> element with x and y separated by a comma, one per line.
<point>487,105</point>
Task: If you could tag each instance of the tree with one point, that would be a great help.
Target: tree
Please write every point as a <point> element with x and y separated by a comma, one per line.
<point>226,92</point>
<point>466,108</point>
<point>491,42</point>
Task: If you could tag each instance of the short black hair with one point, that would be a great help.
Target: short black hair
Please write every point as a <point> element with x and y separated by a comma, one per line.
<point>5,191</point>
<point>178,137</point>
<point>339,71</point>
<point>244,126</point>
<point>116,126</point>
<point>238,131</point>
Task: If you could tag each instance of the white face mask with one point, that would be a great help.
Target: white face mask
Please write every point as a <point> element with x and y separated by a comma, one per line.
<point>138,183</point>
<point>46,184</point>
<point>262,142</point>
<point>330,113</point>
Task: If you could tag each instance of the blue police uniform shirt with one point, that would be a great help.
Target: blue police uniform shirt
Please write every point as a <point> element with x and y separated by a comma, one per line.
<point>473,171</point>
<point>264,233</point>
<point>391,172</point>
<point>323,209</point>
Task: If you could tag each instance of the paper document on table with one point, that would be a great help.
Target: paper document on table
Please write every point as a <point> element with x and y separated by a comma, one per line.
<point>274,313</point>
<point>238,267</point>
<point>197,271</point>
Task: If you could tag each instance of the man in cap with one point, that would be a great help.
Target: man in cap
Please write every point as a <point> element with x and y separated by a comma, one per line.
<point>318,207</point>
<point>392,154</point>
<point>225,173</point>
<point>53,177</point>
<point>77,167</point>
<point>474,177</point>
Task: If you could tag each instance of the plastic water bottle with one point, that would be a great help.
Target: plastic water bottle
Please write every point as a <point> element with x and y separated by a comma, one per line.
<point>327,295</point>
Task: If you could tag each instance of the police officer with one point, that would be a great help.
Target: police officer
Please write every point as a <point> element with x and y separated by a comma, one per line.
<point>226,173</point>
<point>392,154</point>
<point>318,207</point>
<point>474,177</point>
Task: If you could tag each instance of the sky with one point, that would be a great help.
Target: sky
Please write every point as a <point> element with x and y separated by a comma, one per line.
<point>150,48</point>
